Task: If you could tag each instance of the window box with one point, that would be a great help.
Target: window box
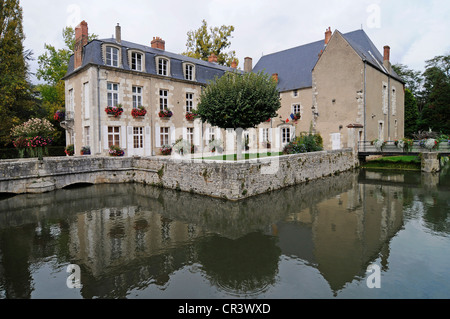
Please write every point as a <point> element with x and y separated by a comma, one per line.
<point>138,112</point>
<point>114,111</point>
<point>190,116</point>
<point>165,114</point>
<point>85,150</point>
<point>59,116</point>
<point>166,150</point>
<point>116,151</point>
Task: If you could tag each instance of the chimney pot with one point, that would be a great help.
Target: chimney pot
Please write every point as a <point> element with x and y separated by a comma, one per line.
<point>158,43</point>
<point>118,34</point>
<point>387,53</point>
<point>212,58</point>
<point>328,35</point>
<point>81,39</point>
<point>234,64</point>
<point>275,77</point>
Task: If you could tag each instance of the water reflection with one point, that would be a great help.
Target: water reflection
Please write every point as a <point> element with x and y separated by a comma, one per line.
<point>131,237</point>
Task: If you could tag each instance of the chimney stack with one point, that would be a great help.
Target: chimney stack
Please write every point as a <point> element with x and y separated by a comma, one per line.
<point>234,64</point>
<point>118,33</point>
<point>158,43</point>
<point>275,77</point>
<point>212,58</point>
<point>386,58</point>
<point>248,64</point>
<point>81,39</point>
<point>328,35</point>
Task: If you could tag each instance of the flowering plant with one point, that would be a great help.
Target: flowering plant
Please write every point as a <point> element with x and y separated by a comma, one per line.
<point>166,150</point>
<point>116,111</point>
<point>34,135</point>
<point>165,113</point>
<point>85,150</point>
<point>69,150</point>
<point>59,116</point>
<point>379,144</point>
<point>139,111</point>
<point>190,116</point>
<point>297,116</point>
<point>116,151</point>
<point>429,144</point>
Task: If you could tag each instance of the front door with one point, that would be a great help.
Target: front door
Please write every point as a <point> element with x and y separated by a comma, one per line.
<point>336,141</point>
<point>138,141</point>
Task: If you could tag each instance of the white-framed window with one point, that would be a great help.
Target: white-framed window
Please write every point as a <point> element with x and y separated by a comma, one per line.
<point>87,106</point>
<point>394,101</point>
<point>296,108</point>
<point>70,103</point>
<point>189,72</point>
<point>138,137</point>
<point>87,136</point>
<point>190,135</point>
<point>164,135</point>
<point>285,135</point>
<point>212,134</point>
<point>137,96</point>
<point>265,135</point>
<point>136,61</point>
<point>163,66</point>
<point>113,94</point>
<point>189,102</point>
<point>113,135</point>
<point>163,99</point>
<point>384,96</point>
<point>112,56</point>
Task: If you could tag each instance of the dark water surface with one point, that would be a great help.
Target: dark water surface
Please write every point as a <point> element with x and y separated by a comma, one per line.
<point>309,241</point>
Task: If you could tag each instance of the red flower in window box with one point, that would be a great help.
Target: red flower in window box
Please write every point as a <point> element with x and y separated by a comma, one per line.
<point>165,114</point>
<point>190,116</point>
<point>116,111</point>
<point>59,116</point>
<point>140,111</point>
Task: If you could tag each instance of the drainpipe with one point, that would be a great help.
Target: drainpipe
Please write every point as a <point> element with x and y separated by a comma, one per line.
<point>98,109</point>
<point>365,124</point>
<point>389,108</point>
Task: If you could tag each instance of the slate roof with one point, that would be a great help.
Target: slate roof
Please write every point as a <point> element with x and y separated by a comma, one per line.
<point>294,66</point>
<point>205,71</point>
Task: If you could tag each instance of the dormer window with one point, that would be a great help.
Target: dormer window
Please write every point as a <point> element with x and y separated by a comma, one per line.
<point>136,61</point>
<point>112,56</point>
<point>189,71</point>
<point>163,66</point>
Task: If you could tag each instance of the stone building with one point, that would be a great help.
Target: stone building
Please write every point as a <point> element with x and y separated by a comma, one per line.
<point>342,87</point>
<point>117,73</point>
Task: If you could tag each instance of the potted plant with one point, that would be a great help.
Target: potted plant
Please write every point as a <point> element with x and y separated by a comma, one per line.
<point>69,150</point>
<point>297,116</point>
<point>59,116</point>
<point>166,150</point>
<point>140,111</point>
<point>165,114</point>
<point>190,116</point>
<point>114,111</point>
<point>85,150</point>
<point>379,144</point>
<point>429,143</point>
<point>116,151</point>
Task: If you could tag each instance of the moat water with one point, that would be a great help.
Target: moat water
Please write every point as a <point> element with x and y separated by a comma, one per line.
<point>314,240</point>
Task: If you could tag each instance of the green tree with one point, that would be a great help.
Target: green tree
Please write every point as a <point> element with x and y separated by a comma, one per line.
<point>436,112</point>
<point>239,101</point>
<point>413,79</point>
<point>411,114</point>
<point>16,102</point>
<point>204,41</point>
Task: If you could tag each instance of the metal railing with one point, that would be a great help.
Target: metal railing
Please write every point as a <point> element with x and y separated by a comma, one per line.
<point>391,148</point>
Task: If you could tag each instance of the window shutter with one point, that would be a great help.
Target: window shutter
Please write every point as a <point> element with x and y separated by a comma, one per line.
<point>292,133</point>
<point>185,133</point>
<point>157,135</point>
<point>197,135</point>
<point>277,138</point>
<point>105,138</point>
<point>147,141</point>
<point>130,141</point>
<point>172,134</point>
<point>218,133</point>
<point>123,136</point>
<point>261,135</point>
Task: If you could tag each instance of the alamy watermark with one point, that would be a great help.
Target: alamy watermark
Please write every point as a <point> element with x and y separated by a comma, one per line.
<point>74,15</point>
<point>374,279</point>
<point>74,279</point>
<point>374,19</point>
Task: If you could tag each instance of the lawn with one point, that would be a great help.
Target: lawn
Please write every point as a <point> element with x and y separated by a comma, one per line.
<point>395,162</point>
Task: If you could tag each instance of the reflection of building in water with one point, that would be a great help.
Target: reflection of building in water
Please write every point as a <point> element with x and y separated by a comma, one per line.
<point>342,235</point>
<point>110,238</point>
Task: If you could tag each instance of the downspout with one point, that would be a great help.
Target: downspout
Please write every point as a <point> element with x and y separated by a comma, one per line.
<point>389,107</point>
<point>365,106</point>
<point>98,110</point>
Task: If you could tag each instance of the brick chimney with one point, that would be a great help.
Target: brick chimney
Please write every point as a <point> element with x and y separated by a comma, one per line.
<point>212,58</point>
<point>158,43</point>
<point>275,77</point>
<point>234,64</point>
<point>248,65</point>
<point>386,58</point>
<point>118,33</point>
<point>81,39</point>
<point>328,35</point>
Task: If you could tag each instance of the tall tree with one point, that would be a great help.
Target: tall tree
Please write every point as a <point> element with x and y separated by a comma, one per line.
<point>204,41</point>
<point>411,114</point>
<point>16,102</point>
<point>239,101</point>
<point>436,112</point>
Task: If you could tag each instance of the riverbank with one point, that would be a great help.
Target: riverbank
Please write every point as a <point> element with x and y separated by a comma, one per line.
<point>394,162</point>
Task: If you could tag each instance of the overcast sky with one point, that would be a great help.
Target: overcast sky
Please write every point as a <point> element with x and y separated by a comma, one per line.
<point>416,30</point>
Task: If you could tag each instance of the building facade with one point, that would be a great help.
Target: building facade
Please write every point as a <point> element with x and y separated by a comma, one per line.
<point>340,87</point>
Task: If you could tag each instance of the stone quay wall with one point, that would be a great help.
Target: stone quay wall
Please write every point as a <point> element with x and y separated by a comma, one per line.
<point>231,180</point>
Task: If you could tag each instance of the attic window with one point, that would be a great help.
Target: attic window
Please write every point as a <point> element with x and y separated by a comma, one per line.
<point>295,93</point>
<point>136,61</point>
<point>112,56</point>
<point>163,66</point>
<point>189,71</point>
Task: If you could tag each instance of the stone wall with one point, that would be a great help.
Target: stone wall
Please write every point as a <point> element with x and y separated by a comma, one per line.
<point>222,179</point>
